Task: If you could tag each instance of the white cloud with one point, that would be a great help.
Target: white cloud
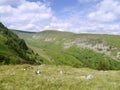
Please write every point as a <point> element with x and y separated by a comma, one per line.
<point>37,16</point>
<point>11,2</point>
<point>107,11</point>
<point>26,16</point>
<point>86,1</point>
<point>102,16</point>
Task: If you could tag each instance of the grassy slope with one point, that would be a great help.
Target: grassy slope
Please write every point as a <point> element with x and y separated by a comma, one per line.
<point>15,78</point>
<point>14,50</point>
<point>62,48</point>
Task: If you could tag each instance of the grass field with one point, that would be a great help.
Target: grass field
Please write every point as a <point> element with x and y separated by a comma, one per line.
<point>13,77</point>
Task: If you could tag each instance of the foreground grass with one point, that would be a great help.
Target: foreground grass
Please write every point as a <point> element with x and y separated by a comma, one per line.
<point>13,77</point>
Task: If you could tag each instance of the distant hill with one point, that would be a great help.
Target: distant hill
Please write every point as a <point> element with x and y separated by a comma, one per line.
<point>14,50</point>
<point>77,50</point>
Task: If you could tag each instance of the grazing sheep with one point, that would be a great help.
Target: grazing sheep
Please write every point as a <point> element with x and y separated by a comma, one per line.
<point>61,72</point>
<point>37,72</point>
<point>24,69</point>
<point>89,77</point>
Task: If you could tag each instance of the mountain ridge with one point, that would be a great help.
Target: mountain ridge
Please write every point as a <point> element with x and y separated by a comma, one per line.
<point>77,50</point>
<point>49,30</point>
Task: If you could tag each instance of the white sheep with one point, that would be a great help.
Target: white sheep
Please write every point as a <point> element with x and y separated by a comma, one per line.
<point>37,72</point>
<point>88,77</point>
<point>61,72</point>
<point>24,69</point>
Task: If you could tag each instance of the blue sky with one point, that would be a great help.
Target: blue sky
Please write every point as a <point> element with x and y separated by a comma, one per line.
<point>79,16</point>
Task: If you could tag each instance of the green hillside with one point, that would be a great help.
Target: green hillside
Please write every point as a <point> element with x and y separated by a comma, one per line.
<point>77,50</point>
<point>14,50</point>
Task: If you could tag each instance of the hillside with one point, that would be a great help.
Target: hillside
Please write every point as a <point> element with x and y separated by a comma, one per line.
<point>77,50</point>
<point>14,50</point>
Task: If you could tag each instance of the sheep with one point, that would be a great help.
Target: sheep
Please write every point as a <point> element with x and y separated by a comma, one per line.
<point>24,69</point>
<point>37,72</point>
<point>88,77</point>
<point>61,72</point>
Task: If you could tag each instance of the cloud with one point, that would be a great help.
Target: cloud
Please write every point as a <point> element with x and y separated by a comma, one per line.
<point>26,16</point>
<point>78,23</point>
<point>107,11</point>
<point>37,16</point>
<point>59,25</point>
<point>11,2</point>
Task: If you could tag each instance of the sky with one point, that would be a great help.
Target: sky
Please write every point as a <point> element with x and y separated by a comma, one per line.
<point>78,16</point>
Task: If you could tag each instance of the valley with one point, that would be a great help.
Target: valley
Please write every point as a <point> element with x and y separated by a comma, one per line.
<point>98,51</point>
<point>64,60</point>
<point>59,44</point>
